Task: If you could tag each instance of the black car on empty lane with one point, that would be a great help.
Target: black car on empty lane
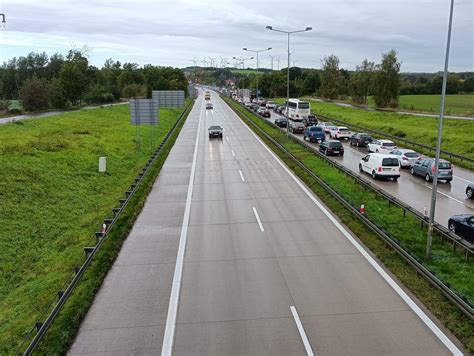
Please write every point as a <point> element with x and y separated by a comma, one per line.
<point>463,226</point>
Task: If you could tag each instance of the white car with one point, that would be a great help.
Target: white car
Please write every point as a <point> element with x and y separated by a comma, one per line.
<point>381,146</point>
<point>271,105</point>
<point>248,104</point>
<point>406,157</point>
<point>380,166</point>
<point>339,132</point>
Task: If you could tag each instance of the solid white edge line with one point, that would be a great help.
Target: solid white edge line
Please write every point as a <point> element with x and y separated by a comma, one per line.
<point>300,327</point>
<point>233,153</point>
<point>241,176</point>
<point>464,180</point>
<point>258,219</point>
<point>421,314</point>
<point>168,339</point>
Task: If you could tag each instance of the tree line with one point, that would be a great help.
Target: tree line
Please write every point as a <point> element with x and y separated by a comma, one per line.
<point>382,81</point>
<point>45,82</point>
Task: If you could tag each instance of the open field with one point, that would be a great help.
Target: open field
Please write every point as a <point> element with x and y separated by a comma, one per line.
<point>457,134</point>
<point>245,71</point>
<point>53,199</point>
<point>449,266</point>
<point>461,104</point>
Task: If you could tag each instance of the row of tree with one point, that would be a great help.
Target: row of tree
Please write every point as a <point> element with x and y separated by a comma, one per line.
<point>383,81</point>
<point>43,82</point>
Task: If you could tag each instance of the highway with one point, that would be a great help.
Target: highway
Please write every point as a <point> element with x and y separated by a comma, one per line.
<point>233,255</point>
<point>414,191</point>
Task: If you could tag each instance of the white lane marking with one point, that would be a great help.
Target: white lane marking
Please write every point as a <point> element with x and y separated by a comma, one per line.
<point>227,138</point>
<point>464,180</point>
<point>416,309</point>
<point>299,325</point>
<point>447,196</point>
<point>258,219</point>
<point>168,338</point>
<point>241,176</point>
<point>233,153</point>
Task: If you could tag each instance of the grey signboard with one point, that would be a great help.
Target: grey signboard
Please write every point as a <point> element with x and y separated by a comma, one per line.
<point>143,112</point>
<point>168,98</point>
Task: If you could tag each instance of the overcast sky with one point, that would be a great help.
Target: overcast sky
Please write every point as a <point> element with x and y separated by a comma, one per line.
<point>175,32</point>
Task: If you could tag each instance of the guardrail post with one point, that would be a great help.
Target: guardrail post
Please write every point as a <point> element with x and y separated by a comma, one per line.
<point>60,294</point>
<point>88,250</point>
<point>38,325</point>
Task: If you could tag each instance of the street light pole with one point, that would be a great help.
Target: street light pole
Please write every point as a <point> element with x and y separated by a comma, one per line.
<point>288,71</point>
<point>429,240</point>
<point>257,51</point>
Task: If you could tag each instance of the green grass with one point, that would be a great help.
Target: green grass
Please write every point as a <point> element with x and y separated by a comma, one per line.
<point>53,199</point>
<point>458,135</point>
<point>449,266</point>
<point>460,104</point>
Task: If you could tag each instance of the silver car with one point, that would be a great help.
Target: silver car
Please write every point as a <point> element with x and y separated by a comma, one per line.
<point>406,157</point>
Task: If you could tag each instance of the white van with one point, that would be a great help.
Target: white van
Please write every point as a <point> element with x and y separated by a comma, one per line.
<point>380,165</point>
<point>297,109</point>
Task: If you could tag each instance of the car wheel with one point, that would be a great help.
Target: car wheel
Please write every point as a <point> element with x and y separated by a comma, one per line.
<point>374,175</point>
<point>427,177</point>
<point>395,179</point>
<point>448,181</point>
<point>377,150</point>
<point>360,168</point>
<point>412,171</point>
<point>452,227</point>
<point>469,193</point>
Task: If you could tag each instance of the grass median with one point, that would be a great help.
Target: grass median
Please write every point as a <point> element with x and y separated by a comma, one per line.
<point>53,199</point>
<point>449,266</point>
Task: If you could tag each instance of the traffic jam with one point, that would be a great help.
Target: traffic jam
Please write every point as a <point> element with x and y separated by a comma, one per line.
<point>380,160</point>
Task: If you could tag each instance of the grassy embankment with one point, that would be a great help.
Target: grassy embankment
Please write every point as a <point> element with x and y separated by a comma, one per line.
<point>458,135</point>
<point>53,199</point>
<point>459,104</point>
<point>449,266</point>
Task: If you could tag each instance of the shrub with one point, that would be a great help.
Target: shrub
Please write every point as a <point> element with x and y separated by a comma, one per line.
<point>108,97</point>
<point>134,91</point>
<point>34,94</point>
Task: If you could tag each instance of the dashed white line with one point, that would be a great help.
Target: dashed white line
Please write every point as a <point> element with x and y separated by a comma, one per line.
<point>299,325</point>
<point>170,327</point>
<point>227,138</point>
<point>233,153</point>
<point>447,196</point>
<point>413,306</point>
<point>241,176</point>
<point>258,219</point>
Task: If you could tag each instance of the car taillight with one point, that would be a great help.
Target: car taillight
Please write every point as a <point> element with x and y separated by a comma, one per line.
<point>379,169</point>
<point>297,115</point>
<point>433,168</point>
<point>383,147</point>
<point>405,159</point>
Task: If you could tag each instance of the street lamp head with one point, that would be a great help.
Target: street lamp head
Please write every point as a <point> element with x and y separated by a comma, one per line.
<point>244,48</point>
<point>308,28</point>
<point>251,57</point>
<point>269,28</point>
<point>269,48</point>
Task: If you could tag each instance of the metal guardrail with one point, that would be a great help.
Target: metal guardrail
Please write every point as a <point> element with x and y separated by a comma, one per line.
<point>42,326</point>
<point>397,138</point>
<point>460,301</point>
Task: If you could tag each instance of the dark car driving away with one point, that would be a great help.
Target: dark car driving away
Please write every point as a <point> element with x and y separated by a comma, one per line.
<point>216,131</point>
<point>463,226</point>
<point>281,121</point>
<point>332,147</point>
<point>360,139</point>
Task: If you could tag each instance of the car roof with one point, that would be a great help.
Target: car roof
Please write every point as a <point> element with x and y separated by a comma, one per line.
<point>333,141</point>
<point>342,127</point>
<point>404,150</point>
<point>381,155</point>
<point>385,140</point>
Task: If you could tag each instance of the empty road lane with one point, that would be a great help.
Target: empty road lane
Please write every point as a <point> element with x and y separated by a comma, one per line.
<point>233,255</point>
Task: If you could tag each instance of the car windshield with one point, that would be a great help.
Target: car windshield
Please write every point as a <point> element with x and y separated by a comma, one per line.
<point>444,165</point>
<point>343,130</point>
<point>315,128</point>
<point>388,144</point>
<point>411,154</point>
<point>215,128</point>
<point>366,137</point>
<point>390,162</point>
<point>335,144</point>
<point>303,105</point>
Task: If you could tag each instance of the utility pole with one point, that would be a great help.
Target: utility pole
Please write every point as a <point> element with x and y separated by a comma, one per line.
<point>257,52</point>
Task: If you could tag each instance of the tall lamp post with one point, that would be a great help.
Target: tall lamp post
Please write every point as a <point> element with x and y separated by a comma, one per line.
<point>242,60</point>
<point>429,240</point>
<point>288,69</point>
<point>257,51</point>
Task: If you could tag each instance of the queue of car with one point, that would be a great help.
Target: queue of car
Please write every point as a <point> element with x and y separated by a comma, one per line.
<point>384,158</point>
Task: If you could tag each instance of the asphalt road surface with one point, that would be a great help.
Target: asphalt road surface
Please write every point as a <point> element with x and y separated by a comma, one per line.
<point>232,255</point>
<point>414,191</point>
